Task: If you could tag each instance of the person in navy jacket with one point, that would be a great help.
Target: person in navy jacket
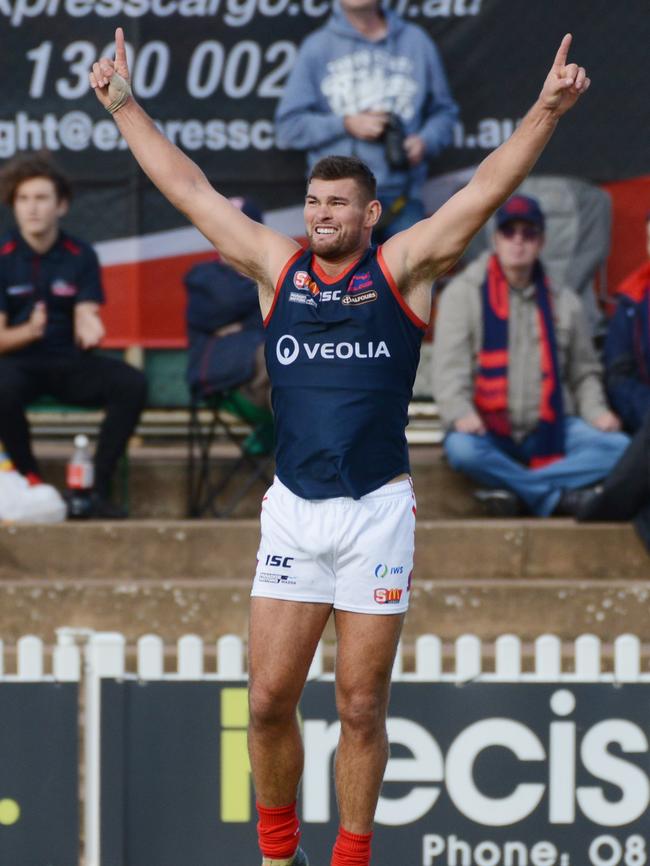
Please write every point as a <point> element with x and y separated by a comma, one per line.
<point>50,323</point>
<point>627,347</point>
<point>344,323</point>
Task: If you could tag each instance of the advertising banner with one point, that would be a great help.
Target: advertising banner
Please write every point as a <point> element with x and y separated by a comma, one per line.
<point>479,775</point>
<point>211,72</point>
<point>39,786</point>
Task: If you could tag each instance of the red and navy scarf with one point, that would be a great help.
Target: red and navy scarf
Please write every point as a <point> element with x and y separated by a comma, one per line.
<point>491,384</point>
<point>636,291</point>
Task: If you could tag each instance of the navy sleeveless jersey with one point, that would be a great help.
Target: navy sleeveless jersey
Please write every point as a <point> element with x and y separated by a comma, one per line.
<point>342,353</point>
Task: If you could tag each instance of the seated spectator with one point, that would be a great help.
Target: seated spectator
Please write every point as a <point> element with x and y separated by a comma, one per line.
<point>516,378</point>
<point>50,294</point>
<point>627,347</point>
<point>226,343</point>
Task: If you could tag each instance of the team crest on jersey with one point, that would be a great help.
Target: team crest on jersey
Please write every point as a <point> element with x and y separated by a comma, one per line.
<point>360,291</point>
<point>302,280</point>
<point>62,289</point>
<point>359,283</point>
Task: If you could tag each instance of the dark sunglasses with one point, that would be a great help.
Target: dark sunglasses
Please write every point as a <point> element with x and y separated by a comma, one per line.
<point>528,232</point>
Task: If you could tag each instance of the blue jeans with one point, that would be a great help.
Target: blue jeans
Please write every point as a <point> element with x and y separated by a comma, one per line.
<point>411,213</point>
<point>493,461</point>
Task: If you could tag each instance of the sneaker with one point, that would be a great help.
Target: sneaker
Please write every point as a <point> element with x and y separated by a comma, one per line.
<point>90,505</point>
<point>573,502</point>
<point>22,502</point>
<point>101,508</point>
<point>498,502</point>
<point>299,859</point>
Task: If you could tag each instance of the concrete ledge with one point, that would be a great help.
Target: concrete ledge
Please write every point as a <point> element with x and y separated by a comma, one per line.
<point>158,482</point>
<point>527,577</point>
<point>212,607</point>
<point>445,550</point>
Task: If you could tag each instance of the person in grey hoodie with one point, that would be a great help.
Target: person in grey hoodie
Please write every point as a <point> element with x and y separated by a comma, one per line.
<point>371,85</point>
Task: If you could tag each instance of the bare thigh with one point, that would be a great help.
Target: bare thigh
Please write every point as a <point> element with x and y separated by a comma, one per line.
<point>283,637</point>
<point>366,646</point>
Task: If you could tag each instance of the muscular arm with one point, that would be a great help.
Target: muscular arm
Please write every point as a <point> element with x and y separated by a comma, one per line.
<point>429,248</point>
<point>251,248</point>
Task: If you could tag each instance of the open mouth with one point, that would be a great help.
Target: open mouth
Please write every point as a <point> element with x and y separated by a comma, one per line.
<point>324,230</point>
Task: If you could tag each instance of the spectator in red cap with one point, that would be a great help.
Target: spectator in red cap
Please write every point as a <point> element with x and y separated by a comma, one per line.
<point>627,347</point>
<point>517,381</point>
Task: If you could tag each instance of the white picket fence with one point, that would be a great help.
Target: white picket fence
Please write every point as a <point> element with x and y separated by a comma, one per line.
<point>104,655</point>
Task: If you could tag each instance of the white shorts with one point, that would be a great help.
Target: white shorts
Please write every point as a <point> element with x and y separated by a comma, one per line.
<point>356,555</point>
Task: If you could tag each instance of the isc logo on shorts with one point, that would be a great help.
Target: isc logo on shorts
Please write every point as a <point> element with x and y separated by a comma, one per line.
<point>388,596</point>
<point>276,561</point>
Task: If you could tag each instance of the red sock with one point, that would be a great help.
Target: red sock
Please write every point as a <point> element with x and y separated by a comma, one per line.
<point>351,849</point>
<point>33,479</point>
<point>278,831</point>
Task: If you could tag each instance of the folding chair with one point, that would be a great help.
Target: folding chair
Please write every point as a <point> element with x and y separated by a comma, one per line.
<point>216,485</point>
<point>225,332</point>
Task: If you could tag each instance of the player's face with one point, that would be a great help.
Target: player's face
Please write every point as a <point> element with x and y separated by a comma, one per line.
<point>37,208</point>
<point>647,236</point>
<point>337,219</point>
<point>518,244</point>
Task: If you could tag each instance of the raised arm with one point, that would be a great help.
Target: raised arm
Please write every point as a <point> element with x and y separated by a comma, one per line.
<point>431,247</point>
<point>252,248</point>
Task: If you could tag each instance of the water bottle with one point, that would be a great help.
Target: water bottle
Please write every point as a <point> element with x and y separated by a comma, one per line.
<point>80,478</point>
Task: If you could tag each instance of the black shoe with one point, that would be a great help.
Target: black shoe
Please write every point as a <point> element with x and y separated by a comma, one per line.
<point>498,502</point>
<point>101,508</point>
<point>574,502</point>
<point>300,859</point>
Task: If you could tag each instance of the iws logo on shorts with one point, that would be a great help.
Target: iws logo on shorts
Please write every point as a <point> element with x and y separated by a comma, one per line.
<point>388,596</point>
<point>381,570</point>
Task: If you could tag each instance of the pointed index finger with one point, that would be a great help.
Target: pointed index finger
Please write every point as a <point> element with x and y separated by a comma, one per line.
<point>562,52</point>
<point>120,50</point>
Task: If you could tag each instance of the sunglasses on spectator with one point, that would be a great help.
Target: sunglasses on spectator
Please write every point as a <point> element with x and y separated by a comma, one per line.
<point>527,232</point>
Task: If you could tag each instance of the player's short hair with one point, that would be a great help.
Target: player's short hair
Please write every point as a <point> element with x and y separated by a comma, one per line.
<point>28,166</point>
<point>342,167</point>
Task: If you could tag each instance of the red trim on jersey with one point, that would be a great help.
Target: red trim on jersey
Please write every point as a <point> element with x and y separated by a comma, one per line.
<point>396,292</point>
<point>7,248</point>
<point>325,278</point>
<point>71,247</point>
<point>278,285</point>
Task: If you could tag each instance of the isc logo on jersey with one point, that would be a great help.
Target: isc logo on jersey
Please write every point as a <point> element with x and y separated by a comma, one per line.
<point>288,349</point>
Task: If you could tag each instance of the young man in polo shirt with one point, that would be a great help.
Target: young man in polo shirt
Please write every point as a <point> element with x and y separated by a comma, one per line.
<point>50,295</point>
